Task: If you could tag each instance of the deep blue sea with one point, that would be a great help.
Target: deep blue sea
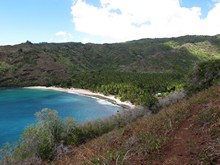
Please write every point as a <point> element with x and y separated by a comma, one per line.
<point>18,106</point>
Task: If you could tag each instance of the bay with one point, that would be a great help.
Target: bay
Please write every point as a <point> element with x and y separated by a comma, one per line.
<point>18,106</point>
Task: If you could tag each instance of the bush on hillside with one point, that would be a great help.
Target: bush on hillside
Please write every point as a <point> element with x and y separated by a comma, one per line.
<point>204,75</point>
<point>42,140</point>
<point>38,141</point>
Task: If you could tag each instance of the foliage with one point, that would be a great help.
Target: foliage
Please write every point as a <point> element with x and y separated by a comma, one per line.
<point>203,76</point>
<point>39,141</point>
<point>4,67</point>
<point>148,140</point>
<point>71,131</point>
<point>139,88</point>
<point>58,64</point>
<point>203,50</point>
<point>139,71</point>
<point>136,70</point>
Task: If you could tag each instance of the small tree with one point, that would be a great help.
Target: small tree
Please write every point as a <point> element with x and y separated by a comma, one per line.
<point>38,141</point>
<point>204,75</point>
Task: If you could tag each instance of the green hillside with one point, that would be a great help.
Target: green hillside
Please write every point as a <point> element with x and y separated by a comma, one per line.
<point>140,71</point>
<point>136,71</point>
<point>53,64</point>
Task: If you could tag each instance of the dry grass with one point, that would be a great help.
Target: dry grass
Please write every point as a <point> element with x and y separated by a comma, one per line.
<point>145,141</point>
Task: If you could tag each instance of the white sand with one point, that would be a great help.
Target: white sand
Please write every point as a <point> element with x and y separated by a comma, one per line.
<point>88,93</point>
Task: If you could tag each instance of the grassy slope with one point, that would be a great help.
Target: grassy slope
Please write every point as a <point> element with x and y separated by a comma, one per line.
<point>46,64</point>
<point>186,132</point>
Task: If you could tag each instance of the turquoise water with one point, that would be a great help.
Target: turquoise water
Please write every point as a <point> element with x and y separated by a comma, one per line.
<point>18,106</point>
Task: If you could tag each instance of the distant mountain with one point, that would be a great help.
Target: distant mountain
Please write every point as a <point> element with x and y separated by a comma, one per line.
<point>51,64</point>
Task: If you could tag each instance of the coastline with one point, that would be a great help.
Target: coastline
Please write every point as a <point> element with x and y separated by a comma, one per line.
<point>89,93</point>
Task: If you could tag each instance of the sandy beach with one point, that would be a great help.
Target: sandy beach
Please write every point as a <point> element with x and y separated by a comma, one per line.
<point>84,92</point>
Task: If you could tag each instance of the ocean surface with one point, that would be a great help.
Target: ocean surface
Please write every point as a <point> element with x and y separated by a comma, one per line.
<point>18,106</point>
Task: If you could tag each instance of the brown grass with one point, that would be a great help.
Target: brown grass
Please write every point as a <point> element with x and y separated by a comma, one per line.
<point>186,132</point>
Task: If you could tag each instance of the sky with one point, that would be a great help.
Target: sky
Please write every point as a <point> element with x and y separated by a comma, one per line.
<point>105,21</point>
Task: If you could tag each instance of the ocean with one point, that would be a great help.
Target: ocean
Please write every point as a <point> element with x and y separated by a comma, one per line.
<point>18,106</point>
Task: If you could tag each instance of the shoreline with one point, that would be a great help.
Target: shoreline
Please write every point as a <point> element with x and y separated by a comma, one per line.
<point>88,93</point>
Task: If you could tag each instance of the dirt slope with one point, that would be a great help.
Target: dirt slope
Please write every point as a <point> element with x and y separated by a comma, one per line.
<point>185,133</point>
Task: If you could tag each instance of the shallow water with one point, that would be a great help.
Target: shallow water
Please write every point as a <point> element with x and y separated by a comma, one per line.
<point>18,106</point>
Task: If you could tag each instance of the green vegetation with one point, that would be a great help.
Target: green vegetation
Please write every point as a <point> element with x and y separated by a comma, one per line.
<point>139,88</point>
<point>41,140</point>
<point>136,70</point>
<point>187,125</point>
<point>54,64</point>
<point>203,76</point>
<point>4,67</point>
<point>129,131</point>
<point>140,71</point>
<point>38,141</point>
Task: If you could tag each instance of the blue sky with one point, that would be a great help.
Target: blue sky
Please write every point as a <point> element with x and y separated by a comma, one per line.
<point>205,5</point>
<point>104,20</point>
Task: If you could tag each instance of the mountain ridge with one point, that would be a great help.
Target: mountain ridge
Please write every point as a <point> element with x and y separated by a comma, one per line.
<point>45,63</point>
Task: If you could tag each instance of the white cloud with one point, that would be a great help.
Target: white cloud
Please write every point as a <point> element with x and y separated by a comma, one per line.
<point>212,24</point>
<point>122,20</point>
<point>86,40</point>
<point>66,37</point>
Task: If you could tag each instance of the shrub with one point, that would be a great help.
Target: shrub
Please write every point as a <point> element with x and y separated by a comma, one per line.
<point>38,141</point>
<point>71,131</point>
<point>203,76</point>
<point>41,140</point>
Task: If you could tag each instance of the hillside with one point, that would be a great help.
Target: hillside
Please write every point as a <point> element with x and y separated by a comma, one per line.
<point>187,132</point>
<point>56,64</point>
